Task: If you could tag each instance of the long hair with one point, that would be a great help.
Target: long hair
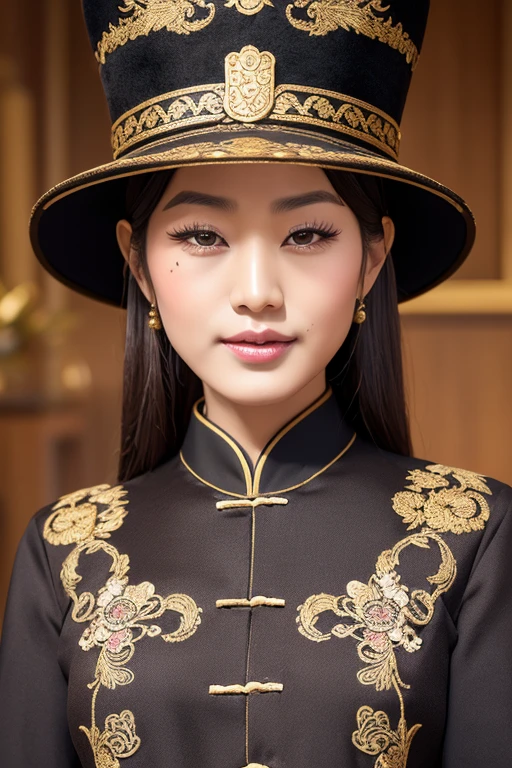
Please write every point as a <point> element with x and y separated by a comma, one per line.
<point>366,375</point>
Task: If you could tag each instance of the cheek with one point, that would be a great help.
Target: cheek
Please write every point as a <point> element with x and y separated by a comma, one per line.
<point>329,289</point>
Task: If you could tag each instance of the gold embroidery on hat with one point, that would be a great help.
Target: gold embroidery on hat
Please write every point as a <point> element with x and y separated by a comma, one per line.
<point>249,94</point>
<point>292,103</point>
<point>358,15</point>
<point>338,112</point>
<point>147,16</point>
<point>249,7</point>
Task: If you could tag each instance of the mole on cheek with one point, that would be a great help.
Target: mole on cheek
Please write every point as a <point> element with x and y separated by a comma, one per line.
<point>177,264</point>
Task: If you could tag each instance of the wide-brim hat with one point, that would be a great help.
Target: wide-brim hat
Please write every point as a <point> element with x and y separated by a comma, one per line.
<point>192,82</point>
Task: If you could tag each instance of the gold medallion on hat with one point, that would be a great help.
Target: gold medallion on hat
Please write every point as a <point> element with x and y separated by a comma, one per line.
<point>249,89</point>
<point>249,6</point>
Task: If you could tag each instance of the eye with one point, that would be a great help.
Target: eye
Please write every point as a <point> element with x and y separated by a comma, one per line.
<point>198,238</point>
<point>205,238</point>
<point>311,236</point>
<point>304,237</point>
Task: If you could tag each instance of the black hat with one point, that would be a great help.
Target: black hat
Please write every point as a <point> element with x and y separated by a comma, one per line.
<point>190,82</point>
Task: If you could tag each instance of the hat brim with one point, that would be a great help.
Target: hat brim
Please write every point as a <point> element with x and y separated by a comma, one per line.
<point>435,229</point>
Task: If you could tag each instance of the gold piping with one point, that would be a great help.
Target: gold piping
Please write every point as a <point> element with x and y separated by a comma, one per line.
<point>205,482</point>
<point>248,688</point>
<point>229,440</point>
<point>243,602</point>
<point>300,417</point>
<point>323,469</point>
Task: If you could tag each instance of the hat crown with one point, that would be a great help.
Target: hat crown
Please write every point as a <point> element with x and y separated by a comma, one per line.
<point>336,67</point>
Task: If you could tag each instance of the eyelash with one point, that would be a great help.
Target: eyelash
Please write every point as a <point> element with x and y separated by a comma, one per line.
<point>326,232</point>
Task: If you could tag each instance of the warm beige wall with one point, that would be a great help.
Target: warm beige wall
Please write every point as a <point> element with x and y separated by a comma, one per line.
<point>451,131</point>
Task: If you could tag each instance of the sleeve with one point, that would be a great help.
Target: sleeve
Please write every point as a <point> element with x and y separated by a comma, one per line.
<point>33,689</point>
<point>479,721</point>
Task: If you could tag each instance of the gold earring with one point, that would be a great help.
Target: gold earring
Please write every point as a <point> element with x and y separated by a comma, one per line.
<point>360,314</point>
<point>154,321</point>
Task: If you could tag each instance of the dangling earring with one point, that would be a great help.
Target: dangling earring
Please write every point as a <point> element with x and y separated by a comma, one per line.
<point>154,321</point>
<point>360,314</point>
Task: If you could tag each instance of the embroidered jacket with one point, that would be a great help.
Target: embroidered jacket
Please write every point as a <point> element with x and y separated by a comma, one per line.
<point>333,606</point>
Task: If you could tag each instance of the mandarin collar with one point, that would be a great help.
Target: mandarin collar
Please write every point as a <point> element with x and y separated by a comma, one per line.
<point>303,448</point>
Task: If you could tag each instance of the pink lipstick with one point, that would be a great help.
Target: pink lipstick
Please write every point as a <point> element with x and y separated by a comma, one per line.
<point>258,347</point>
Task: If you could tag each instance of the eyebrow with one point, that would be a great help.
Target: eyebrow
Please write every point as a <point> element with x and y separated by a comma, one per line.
<point>188,197</point>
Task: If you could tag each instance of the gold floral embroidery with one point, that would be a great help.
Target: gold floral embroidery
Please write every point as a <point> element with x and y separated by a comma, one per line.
<point>293,103</point>
<point>161,115</point>
<point>381,615</point>
<point>358,15</point>
<point>119,615</point>
<point>434,501</point>
<point>374,736</point>
<point>118,739</point>
<point>348,116</point>
<point>145,16</point>
<point>248,7</point>
<point>72,522</point>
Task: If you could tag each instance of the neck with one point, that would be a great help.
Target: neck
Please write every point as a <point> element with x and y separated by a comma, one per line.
<point>252,426</point>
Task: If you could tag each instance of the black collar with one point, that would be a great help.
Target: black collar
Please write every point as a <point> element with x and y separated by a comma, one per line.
<point>306,446</point>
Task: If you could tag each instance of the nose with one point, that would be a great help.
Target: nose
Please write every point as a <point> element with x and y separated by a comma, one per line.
<point>255,279</point>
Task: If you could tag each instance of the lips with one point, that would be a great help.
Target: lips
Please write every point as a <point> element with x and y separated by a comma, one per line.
<point>258,337</point>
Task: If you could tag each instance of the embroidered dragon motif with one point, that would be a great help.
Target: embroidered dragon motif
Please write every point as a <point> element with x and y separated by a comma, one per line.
<point>362,16</point>
<point>141,17</point>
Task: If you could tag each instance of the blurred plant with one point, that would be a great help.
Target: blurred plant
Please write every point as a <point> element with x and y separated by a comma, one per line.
<point>22,319</point>
<point>33,360</point>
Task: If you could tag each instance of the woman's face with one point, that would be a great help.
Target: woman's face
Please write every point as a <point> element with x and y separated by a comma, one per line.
<point>248,249</point>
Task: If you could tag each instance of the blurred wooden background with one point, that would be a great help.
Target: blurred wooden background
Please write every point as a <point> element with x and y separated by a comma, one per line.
<point>458,347</point>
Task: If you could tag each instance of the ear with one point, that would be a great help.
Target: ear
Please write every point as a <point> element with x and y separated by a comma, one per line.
<point>377,254</point>
<point>131,256</point>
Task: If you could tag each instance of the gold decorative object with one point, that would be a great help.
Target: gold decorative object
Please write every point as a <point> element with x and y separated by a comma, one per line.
<point>154,321</point>
<point>248,7</point>
<point>360,314</point>
<point>249,94</point>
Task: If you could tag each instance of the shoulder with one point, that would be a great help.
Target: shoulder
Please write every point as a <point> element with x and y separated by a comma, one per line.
<point>84,514</point>
<point>469,510</point>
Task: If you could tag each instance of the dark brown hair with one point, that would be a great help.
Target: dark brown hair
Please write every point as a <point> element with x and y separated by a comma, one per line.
<point>366,373</point>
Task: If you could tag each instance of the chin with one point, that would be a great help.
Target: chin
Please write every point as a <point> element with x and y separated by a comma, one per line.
<point>257,389</point>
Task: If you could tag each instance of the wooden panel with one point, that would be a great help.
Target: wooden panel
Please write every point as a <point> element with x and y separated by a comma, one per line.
<point>459,379</point>
<point>451,125</point>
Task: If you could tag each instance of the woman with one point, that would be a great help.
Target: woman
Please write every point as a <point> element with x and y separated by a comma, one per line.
<point>275,581</point>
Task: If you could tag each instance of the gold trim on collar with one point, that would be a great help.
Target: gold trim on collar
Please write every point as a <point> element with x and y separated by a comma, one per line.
<point>306,105</point>
<point>253,497</point>
<point>229,440</point>
<point>264,456</point>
